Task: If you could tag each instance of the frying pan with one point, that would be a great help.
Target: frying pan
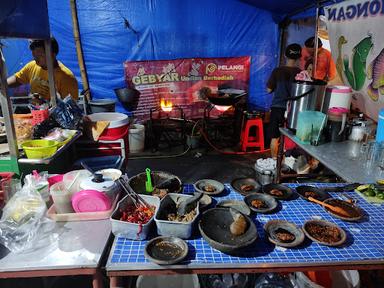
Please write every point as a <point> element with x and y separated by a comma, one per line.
<point>225,100</point>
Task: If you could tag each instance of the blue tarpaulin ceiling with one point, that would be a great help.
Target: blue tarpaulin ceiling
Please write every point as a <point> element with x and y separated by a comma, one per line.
<point>167,29</point>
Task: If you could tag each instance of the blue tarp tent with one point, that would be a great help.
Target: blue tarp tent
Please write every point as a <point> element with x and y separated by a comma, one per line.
<point>166,29</point>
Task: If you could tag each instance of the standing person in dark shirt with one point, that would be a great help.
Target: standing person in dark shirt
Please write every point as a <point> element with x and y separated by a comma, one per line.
<point>280,84</point>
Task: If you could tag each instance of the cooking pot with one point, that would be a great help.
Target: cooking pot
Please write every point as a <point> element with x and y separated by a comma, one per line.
<point>304,96</point>
<point>128,97</point>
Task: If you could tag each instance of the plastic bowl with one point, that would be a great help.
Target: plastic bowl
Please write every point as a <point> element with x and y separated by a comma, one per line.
<point>39,149</point>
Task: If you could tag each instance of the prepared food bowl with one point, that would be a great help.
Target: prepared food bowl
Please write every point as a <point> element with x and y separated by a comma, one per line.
<point>355,213</point>
<point>175,227</point>
<point>166,250</point>
<point>283,233</point>
<point>261,203</point>
<point>245,186</point>
<point>130,230</point>
<point>306,191</point>
<point>208,186</point>
<point>278,191</point>
<point>39,149</point>
<point>324,232</point>
<point>137,182</point>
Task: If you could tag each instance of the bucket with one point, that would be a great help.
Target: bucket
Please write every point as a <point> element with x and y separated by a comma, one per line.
<point>118,125</point>
<point>102,105</point>
<point>61,198</point>
<point>136,138</point>
<point>168,281</point>
<point>304,96</point>
<point>337,96</point>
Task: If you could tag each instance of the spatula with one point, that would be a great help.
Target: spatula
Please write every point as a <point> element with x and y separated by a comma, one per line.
<point>189,204</point>
<point>337,210</point>
<point>148,183</point>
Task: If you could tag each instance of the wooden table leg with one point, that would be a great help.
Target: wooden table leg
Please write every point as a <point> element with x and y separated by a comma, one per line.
<point>97,280</point>
<point>280,154</point>
<point>115,282</point>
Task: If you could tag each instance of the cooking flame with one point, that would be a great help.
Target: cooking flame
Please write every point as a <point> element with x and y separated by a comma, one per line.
<point>166,105</point>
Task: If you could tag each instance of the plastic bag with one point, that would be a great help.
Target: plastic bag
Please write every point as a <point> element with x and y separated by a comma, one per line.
<point>42,129</point>
<point>23,222</point>
<point>67,113</point>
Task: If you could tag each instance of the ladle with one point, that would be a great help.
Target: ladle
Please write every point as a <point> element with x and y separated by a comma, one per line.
<point>189,204</point>
<point>97,177</point>
<point>337,210</point>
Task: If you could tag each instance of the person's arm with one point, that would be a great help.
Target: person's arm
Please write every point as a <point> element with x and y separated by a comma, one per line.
<point>20,77</point>
<point>12,82</point>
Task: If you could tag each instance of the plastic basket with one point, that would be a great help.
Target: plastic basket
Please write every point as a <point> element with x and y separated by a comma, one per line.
<point>39,149</point>
<point>39,116</point>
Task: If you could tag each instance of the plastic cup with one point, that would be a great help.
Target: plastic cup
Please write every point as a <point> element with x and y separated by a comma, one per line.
<point>61,198</point>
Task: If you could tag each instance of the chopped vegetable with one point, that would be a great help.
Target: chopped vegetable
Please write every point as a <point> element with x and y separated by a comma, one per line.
<point>139,215</point>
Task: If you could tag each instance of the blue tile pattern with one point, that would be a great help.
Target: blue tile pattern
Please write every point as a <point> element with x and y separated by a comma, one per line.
<point>365,239</point>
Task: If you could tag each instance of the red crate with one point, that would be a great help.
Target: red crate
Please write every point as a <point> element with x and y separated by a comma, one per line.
<point>39,116</point>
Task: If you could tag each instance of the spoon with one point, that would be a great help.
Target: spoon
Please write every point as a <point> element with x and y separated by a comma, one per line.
<point>97,177</point>
<point>189,204</point>
<point>337,210</point>
<point>148,183</point>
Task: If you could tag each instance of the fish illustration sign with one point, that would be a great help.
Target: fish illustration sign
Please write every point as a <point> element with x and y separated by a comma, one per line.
<point>356,37</point>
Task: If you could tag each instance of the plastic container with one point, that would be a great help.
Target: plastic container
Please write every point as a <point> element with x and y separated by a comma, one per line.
<point>380,127</point>
<point>6,178</point>
<point>69,177</point>
<point>168,281</point>
<point>118,125</point>
<point>90,201</point>
<point>136,138</point>
<point>310,125</point>
<point>61,198</point>
<point>337,96</point>
<point>39,116</point>
<point>182,230</point>
<point>132,230</point>
<point>39,149</point>
<point>98,163</point>
<point>265,177</point>
<point>84,216</point>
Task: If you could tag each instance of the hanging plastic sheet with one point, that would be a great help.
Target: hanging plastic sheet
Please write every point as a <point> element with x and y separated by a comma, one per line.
<point>116,31</point>
<point>24,19</point>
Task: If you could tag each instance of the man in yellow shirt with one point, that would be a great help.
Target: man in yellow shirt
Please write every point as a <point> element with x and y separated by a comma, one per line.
<point>35,73</point>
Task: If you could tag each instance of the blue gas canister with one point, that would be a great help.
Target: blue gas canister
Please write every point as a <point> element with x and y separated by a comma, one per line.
<point>380,127</point>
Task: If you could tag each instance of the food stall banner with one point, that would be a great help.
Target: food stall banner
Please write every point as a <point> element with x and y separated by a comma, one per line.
<point>24,19</point>
<point>184,82</point>
<point>356,37</point>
